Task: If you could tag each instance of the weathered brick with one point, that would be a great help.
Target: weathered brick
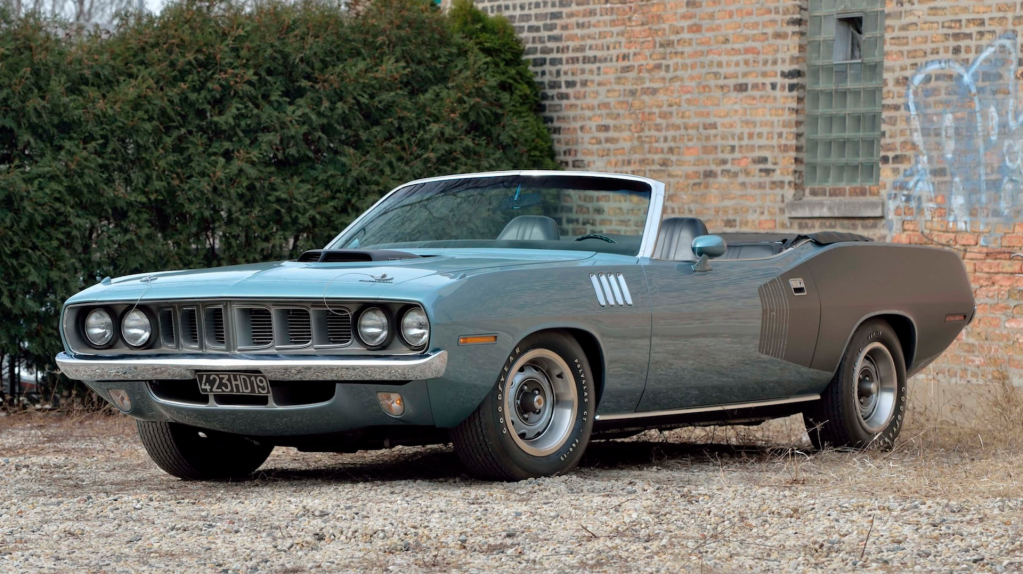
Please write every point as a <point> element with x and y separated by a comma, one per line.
<point>709,96</point>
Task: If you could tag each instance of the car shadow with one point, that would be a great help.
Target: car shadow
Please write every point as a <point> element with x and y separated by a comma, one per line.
<point>441,464</point>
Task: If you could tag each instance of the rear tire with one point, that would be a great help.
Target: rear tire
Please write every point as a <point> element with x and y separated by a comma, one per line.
<point>196,454</point>
<point>537,419</point>
<point>865,403</point>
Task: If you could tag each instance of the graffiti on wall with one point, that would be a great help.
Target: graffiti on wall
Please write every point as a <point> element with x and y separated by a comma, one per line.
<point>968,137</point>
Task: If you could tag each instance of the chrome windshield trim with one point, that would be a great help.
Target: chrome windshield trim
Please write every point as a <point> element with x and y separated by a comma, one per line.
<point>653,216</point>
<point>134,368</point>
<point>707,409</point>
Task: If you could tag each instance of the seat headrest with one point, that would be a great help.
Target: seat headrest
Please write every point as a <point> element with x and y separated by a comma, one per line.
<point>675,238</point>
<point>531,228</point>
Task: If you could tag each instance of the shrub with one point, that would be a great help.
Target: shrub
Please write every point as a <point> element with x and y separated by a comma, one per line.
<point>217,134</point>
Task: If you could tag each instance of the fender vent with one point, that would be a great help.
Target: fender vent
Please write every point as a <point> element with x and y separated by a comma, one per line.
<point>774,322</point>
<point>611,289</point>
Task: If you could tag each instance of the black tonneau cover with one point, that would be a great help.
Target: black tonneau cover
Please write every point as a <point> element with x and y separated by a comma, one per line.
<point>760,245</point>
<point>820,238</point>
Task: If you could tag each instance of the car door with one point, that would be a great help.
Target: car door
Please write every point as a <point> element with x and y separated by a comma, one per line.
<point>739,332</point>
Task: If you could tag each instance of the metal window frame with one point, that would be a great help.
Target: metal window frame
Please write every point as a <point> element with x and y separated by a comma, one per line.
<point>653,219</point>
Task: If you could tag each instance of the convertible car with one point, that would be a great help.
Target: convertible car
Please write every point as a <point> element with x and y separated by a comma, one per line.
<point>518,316</point>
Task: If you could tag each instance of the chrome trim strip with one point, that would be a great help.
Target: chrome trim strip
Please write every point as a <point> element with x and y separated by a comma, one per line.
<point>607,289</point>
<point>653,218</point>
<point>598,290</point>
<point>131,368</point>
<point>722,408</point>
<point>625,288</point>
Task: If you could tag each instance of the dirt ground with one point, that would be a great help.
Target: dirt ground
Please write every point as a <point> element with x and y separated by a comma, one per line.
<point>79,494</point>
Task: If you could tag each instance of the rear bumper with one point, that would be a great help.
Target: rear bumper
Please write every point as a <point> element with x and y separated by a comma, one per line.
<point>170,368</point>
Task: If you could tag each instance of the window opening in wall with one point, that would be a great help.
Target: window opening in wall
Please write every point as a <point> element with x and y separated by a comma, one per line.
<point>848,39</point>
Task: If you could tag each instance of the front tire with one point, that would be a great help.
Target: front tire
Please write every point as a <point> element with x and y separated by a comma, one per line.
<point>865,403</point>
<point>537,419</point>
<point>196,454</point>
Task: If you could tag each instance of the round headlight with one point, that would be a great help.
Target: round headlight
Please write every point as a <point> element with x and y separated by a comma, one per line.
<point>99,327</point>
<point>136,328</point>
<point>373,327</point>
<point>415,327</point>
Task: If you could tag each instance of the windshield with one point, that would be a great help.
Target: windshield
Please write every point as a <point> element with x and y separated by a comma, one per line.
<point>583,213</point>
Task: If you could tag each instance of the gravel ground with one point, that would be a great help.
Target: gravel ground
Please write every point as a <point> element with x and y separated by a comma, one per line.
<point>82,496</point>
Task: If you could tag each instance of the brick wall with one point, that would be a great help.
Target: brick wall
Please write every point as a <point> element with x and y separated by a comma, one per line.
<point>936,42</point>
<point>709,97</point>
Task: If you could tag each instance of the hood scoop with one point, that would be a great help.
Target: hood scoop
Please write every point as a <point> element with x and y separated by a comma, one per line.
<point>353,255</point>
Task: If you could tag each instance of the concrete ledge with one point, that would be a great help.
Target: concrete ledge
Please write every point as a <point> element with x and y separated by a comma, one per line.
<point>835,208</point>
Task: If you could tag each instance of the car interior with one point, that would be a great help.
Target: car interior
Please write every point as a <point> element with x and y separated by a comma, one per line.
<point>674,239</point>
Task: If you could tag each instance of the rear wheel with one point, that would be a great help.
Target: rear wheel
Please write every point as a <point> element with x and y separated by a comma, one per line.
<point>537,419</point>
<point>865,404</point>
<point>197,454</point>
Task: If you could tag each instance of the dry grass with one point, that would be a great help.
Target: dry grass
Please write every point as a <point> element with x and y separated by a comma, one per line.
<point>960,442</point>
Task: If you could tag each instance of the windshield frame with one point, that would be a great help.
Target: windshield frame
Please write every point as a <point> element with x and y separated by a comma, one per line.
<point>653,218</point>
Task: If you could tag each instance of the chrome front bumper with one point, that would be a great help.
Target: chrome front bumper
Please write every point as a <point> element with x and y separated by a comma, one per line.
<point>180,367</point>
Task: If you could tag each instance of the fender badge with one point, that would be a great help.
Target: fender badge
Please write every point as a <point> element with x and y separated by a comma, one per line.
<point>381,279</point>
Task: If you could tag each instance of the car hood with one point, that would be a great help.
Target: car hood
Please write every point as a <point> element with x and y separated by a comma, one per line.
<point>406,279</point>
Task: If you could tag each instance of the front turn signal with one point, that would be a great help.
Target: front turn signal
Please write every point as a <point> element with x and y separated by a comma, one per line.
<point>121,399</point>
<point>392,403</point>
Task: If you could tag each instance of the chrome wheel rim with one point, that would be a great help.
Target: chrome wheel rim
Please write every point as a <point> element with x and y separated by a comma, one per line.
<point>876,387</point>
<point>540,402</point>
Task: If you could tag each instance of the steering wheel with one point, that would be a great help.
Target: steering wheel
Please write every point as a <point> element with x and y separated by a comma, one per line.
<point>595,236</point>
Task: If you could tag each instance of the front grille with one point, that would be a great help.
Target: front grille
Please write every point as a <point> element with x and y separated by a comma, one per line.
<point>190,327</point>
<point>261,324</point>
<point>300,327</point>
<point>167,327</point>
<point>215,333</point>
<point>339,327</point>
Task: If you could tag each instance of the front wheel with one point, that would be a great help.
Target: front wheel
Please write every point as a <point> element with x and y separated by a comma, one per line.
<point>197,454</point>
<point>537,419</point>
<point>865,404</point>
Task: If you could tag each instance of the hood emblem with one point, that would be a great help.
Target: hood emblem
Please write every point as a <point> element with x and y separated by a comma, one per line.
<point>381,279</point>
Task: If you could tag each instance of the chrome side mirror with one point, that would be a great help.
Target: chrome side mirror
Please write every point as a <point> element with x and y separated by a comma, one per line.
<point>710,245</point>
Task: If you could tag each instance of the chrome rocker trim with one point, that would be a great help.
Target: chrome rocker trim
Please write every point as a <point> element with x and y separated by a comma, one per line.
<point>393,368</point>
<point>707,409</point>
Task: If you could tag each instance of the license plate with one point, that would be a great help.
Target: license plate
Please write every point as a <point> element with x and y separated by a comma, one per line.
<point>233,384</point>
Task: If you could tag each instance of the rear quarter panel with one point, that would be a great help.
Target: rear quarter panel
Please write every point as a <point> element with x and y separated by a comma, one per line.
<point>857,281</point>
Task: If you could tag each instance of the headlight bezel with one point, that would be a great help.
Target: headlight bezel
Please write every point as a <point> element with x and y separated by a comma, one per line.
<point>400,328</point>
<point>150,316</point>
<point>388,320</point>
<point>115,330</point>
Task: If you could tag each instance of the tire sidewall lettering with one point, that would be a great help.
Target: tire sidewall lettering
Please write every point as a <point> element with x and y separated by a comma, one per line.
<point>889,433</point>
<point>573,446</point>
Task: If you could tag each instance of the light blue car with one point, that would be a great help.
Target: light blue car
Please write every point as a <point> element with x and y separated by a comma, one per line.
<point>517,315</point>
